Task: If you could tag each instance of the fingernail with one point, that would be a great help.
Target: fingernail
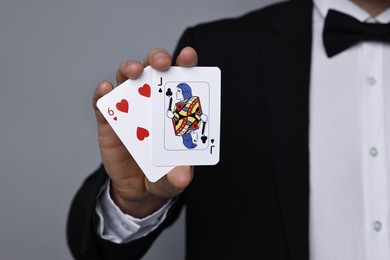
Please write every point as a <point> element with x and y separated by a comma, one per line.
<point>159,56</point>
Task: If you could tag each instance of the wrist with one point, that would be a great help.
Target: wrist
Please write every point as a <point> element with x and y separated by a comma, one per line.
<point>137,207</point>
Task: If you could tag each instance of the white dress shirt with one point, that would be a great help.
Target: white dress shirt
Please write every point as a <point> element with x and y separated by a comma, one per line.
<point>118,227</point>
<point>349,145</point>
<point>349,162</point>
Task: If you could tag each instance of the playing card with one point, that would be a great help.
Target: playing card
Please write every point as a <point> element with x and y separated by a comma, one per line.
<point>186,116</point>
<point>127,108</point>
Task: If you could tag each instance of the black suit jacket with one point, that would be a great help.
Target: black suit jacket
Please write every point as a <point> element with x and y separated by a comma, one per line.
<point>254,203</point>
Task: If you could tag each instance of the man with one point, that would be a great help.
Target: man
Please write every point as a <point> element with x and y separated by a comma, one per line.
<point>310,179</point>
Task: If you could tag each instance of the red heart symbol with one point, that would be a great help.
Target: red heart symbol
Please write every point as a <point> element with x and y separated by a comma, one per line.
<point>115,118</point>
<point>144,90</point>
<point>123,106</point>
<point>142,133</point>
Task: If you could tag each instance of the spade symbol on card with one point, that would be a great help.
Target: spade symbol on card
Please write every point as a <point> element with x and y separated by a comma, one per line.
<point>123,106</point>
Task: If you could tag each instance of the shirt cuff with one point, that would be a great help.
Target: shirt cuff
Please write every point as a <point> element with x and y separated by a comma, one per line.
<point>118,227</point>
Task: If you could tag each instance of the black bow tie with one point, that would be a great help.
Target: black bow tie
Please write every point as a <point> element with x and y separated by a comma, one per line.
<point>341,31</point>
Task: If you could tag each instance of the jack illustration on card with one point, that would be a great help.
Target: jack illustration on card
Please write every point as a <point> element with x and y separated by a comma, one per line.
<point>187,115</point>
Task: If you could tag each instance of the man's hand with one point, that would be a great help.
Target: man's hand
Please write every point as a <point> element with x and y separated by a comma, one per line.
<point>130,189</point>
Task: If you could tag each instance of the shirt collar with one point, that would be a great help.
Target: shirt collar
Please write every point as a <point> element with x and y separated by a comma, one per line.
<point>350,8</point>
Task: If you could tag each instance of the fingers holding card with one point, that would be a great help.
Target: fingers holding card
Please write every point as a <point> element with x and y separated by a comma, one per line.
<point>167,118</point>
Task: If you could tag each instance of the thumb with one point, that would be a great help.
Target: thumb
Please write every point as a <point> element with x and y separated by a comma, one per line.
<point>173,183</point>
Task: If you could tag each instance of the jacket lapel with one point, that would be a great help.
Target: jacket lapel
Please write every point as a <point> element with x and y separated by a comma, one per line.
<point>287,51</point>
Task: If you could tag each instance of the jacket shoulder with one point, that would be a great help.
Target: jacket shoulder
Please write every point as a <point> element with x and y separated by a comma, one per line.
<point>258,17</point>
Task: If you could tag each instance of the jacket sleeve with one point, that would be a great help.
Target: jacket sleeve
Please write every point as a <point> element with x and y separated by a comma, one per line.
<point>82,238</point>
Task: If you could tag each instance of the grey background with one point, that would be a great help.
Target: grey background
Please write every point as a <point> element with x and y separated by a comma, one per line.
<point>52,56</point>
